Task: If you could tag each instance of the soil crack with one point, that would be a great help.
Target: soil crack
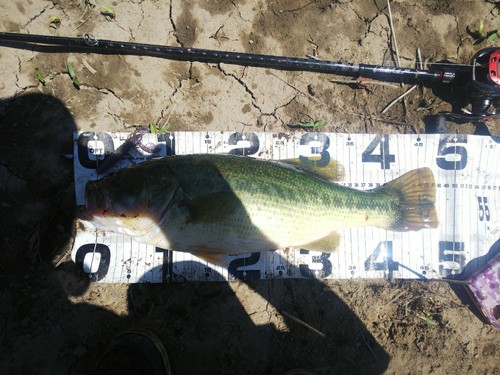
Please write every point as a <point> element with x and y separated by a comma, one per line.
<point>117,119</point>
<point>12,173</point>
<point>248,90</point>
<point>102,90</point>
<point>141,20</point>
<point>297,9</point>
<point>172,22</point>
<point>239,12</point>
<point>37,15</point>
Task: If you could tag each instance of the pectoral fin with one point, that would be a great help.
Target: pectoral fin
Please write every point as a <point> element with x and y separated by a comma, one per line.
<point>213,208</point>
<point>326,244</point>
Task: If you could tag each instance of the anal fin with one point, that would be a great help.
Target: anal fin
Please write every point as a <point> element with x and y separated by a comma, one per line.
<point>211,257</point>
<point>326,244</point>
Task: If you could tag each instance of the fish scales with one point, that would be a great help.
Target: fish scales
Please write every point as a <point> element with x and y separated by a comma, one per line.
<point>232,204</point>
<point>276,185</point>
<point>284,204</point>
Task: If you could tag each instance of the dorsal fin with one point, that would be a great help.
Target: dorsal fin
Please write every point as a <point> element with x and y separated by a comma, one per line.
<point>333,171</point>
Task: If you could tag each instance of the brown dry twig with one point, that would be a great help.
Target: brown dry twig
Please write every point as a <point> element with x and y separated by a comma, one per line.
<point>304,324</point>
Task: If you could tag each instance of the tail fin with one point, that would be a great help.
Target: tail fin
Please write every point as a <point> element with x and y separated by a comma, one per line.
<point>417,195</point>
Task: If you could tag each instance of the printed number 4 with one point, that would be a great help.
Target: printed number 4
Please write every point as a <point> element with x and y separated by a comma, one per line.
<point>484,211</point>
<point>381,259</point>
<point>385,158</point>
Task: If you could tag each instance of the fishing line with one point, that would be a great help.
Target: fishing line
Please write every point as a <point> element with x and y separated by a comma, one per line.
<point>93,255</point>
<point>416,61</point>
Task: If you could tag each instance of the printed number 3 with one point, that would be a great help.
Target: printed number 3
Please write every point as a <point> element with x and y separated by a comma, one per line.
<point>484,211</point>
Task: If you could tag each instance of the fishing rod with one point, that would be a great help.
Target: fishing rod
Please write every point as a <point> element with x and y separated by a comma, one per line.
<point>480,81</point>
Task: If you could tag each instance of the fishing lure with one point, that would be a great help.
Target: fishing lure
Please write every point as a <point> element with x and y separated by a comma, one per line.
<point>135,140</point>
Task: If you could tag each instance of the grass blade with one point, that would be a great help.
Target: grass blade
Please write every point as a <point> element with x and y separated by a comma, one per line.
<point>39,76</point>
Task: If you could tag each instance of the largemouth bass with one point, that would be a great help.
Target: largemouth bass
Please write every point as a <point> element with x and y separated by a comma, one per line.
<point>224,204</point>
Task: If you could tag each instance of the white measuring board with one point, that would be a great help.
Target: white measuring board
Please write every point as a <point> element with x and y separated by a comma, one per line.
<point>465,167</point>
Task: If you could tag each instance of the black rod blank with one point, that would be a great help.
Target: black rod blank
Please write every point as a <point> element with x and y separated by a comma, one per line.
<point>90,44</point>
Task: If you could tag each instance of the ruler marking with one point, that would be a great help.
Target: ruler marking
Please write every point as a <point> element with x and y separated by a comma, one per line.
<point>134,262</point>
<point>119,257</point>
<point>349,254</point>
<point>476,180</point>
<point>454,217</point>
<point>430,145</point>
<point>473,200</point>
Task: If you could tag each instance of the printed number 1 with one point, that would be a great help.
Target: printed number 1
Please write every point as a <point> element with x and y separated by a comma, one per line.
<point>385,158</point>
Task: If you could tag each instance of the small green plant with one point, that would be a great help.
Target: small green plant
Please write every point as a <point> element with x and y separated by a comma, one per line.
<point>492,35</point>
<point>154,129</point>
<point>480,35</point>
<point>427,318</point>
<point>39,76</point>
<point>108,12</point>
<point>72,74</point>
<point>54,21</point>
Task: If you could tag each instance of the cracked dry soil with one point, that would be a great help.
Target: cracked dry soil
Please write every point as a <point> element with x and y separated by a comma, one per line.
<point>53,321</point>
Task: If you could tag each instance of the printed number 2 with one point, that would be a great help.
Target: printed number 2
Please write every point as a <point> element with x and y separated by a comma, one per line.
<point>235,271</point>
<point>484,211</point>
<point>385,158</point>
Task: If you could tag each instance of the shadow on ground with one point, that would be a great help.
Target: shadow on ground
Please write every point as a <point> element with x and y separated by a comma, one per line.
<point>221,327</point>
<point>37,199</point>
<point>204,326</point>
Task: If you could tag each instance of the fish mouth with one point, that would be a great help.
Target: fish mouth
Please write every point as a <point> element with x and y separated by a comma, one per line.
<point>83,214</point>
<point>95,199</point>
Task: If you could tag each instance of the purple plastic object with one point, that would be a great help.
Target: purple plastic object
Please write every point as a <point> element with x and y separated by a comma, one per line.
<point>484,287</point>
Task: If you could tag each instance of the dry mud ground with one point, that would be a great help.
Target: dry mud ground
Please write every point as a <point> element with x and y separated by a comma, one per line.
<point>53,321</point>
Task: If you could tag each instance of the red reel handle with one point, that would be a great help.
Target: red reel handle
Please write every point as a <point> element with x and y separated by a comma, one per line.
<point>488,59</point>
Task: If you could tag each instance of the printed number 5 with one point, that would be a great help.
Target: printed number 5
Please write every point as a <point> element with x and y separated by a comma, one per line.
<point>484,211</point>
<point>452,154</point>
